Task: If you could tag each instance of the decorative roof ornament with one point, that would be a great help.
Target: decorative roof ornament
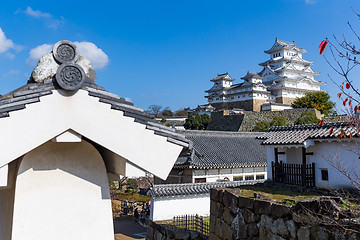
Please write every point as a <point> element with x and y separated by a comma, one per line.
<point>70,76</point>
<point>49,67</point>
<point>65,52</point>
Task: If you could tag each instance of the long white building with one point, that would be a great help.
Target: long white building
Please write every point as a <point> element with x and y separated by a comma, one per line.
<point>285,77</point>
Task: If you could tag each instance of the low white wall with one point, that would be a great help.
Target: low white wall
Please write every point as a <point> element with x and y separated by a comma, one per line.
<point>62,192</point>
<point>163,208</point>
<point>323,154</point>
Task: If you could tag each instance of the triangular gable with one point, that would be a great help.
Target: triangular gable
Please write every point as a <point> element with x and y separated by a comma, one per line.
<point>58,112</point>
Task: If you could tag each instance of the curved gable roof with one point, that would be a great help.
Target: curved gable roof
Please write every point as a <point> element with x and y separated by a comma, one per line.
<point>38,112</point>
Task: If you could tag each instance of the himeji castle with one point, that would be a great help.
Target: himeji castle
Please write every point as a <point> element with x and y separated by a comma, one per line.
<point>285,77</point>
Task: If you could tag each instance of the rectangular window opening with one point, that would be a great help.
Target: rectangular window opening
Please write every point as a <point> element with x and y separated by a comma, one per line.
<point>238,178</point>
<point>261,176</point>
<point>200,180</point>
<point>324,175</point>
<point>249,177</point>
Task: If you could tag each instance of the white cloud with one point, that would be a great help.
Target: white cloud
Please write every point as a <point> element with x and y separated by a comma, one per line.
<point>49,20</point>
<point>11,73</point>
<point>36,13</point>
<point>96,56</point>
<point>36,53</point>
<point>5,43</point>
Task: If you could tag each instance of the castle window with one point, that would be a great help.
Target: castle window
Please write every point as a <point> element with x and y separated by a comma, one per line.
<point>232,97</point>
<point>249,177</point>
<point>238,178</point>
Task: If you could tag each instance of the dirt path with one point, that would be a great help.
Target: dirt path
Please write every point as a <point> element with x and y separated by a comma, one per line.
<point>129,229</point>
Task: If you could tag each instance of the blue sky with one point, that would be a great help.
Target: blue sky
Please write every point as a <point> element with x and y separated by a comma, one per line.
<point>165,52</point>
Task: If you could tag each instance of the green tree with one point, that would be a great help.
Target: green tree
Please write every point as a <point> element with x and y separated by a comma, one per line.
<point>318,100</point>
<point>199,122</point>
<point>306,118</point>
<point>131,185</point>
<point>262,126</point>
<point>278,121</point>
<point>163,120</point>
<point>167,112</point>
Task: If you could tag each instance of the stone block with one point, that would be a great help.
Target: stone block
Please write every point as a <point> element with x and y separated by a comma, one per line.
<point>249,216</point>
<point>220,194</point>
<point>279,211</point>
<point>194,235</point>
<point>303,233</point>
<point>292,228</point>
<point>262,207</point>
<point>219,210</point>
<point>218,228</point>
<point>252,230</point>
<point>245,202</point>
<point>279,227</point>
<point>214,194</point>
<point>266,222</point>
<point>262,233</point>
<point>157,235</point>
<point>212,236</point>
<point>212,223</point>
<point>228,216</point>
<point>227,232</point>
<point>182,235</point>
<point>213,207</point>
<point>238,226</point>
<point>318,233</point>
<point>230,201</point>
<point>150,232</point>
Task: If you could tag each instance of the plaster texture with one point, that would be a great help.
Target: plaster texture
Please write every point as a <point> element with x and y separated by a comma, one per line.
<point>167,207</point>
<point>61,193</point>
<point>108,128</point>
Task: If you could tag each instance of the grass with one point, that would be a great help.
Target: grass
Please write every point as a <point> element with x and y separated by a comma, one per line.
<point>281,195</point>
<point>134,197</point>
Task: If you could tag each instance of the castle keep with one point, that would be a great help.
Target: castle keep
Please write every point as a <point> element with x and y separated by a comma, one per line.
<point>285,77</point>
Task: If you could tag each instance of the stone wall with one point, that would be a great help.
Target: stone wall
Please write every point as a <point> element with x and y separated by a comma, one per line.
<point>236,217</point>
<point>162,231</point>
<point>246,122</point>
<point>285,100</point>
<point>247,105</point>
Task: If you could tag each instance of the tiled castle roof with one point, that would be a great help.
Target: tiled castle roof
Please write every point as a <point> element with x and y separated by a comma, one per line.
<point>31,93</point>
<point>195,188</point>
<point>298,134</point>
<point>213,149</point>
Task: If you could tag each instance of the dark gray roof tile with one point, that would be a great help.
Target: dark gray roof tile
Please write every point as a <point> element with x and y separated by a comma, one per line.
<point>298,134</point>
<point>222,150</point>
<point>32,93</point>
<point>195,188</point>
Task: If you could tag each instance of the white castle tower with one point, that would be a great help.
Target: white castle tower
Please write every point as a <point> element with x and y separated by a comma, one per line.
<point>285,77</point>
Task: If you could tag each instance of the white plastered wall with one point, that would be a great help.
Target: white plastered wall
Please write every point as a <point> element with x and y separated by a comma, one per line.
<point>61,193</point>
<point>85,115</point>
<point>163,208</point>
<point>323,153</point>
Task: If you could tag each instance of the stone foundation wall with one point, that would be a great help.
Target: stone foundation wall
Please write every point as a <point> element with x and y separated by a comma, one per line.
<point>236,217</point>
<point>161,231</point>
<point>247,105</point>
<point>285,100</point>
<point>257,104</point>
<point>246,122</point>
